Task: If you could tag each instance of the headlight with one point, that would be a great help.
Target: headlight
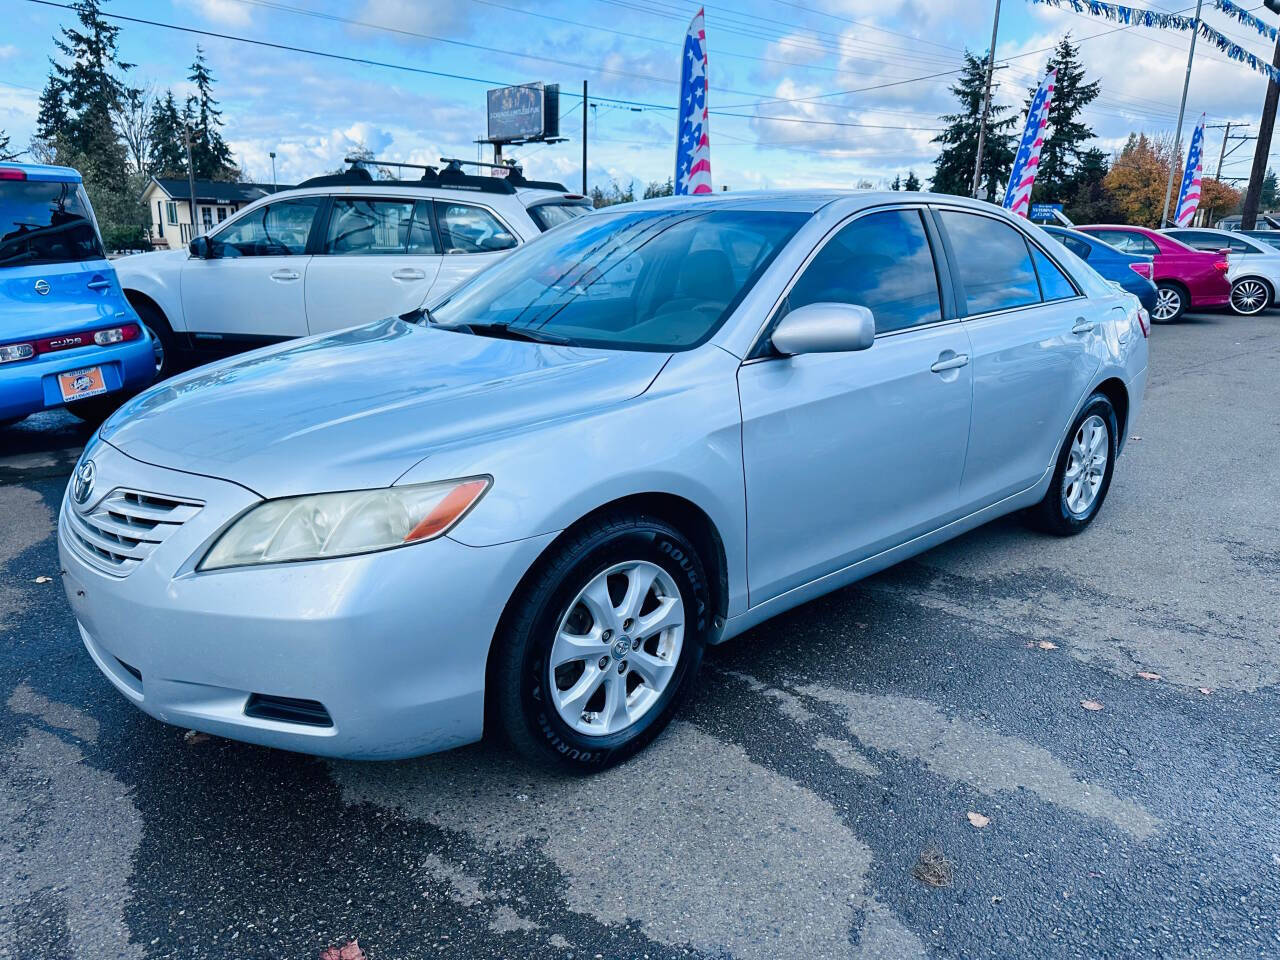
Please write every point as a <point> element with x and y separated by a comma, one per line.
<point>342,524</point>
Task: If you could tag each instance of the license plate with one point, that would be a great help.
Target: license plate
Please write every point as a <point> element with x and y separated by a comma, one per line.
<point>78,384</point>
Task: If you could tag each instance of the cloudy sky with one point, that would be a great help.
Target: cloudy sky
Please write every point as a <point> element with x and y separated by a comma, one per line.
<point>819,93</point>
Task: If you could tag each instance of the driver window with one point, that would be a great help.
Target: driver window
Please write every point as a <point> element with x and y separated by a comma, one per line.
<point>881,261</point>
<point>275,230</point>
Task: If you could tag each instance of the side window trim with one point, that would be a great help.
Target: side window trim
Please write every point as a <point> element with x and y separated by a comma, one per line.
<point>759,349</point>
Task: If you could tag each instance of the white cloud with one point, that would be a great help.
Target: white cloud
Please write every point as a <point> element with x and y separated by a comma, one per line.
<point>447,18</point>
<point>229,13</point>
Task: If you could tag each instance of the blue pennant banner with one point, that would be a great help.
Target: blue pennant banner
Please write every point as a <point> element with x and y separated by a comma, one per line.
<point>1138,17</point>
<point>1247,18</point>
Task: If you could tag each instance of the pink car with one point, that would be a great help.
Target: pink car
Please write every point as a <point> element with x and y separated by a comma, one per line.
<point>1186,277</point>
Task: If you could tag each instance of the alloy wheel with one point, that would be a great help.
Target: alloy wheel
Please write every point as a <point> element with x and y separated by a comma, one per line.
<point>1168,304</point>
<point>1086,466</point>
<point>616,648</point>
<point>1249,297</point>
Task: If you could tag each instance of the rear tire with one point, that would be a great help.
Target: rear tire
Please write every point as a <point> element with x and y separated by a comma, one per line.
<point>1250,296</point>
<point>1081,477</point>
<point>627,666</point>
<point>1171,303</point>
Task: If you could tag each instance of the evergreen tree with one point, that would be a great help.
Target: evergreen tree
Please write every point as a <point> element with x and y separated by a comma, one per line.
<point>5,152</point>
<point>1270,196</point>
<point>51,121</point>
<point>1064,147</point>
<point>1087,200</point>
<point>897,182</point>
<point>167,156</point>
<point>210,155</point>
<point>91,91</point>
<point>913,182</point>
<point>954,167</point>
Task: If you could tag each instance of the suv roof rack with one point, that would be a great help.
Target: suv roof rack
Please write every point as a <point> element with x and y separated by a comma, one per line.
<point>452,176</point>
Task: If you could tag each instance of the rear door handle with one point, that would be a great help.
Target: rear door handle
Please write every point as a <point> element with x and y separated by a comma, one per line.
<point>409,273</point>
<point>285,275</point>
<point>1084,326</point>
<point>99,284</point>
<point>951,363</point>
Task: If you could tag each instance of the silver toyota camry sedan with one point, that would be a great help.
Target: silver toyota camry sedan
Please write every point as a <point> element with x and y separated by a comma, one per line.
<point>528,507</point>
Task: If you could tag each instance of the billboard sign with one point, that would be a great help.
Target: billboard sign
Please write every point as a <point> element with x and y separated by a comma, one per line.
<point>530,111</point>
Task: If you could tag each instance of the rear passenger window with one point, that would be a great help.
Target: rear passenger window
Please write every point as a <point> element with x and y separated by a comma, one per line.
<point>993,262</point>
<point>1077,246</point>
<point>370,227</point>
<point>1054,284</point>
<point>1128,242</point>
<point>468,229</point>
<point>881,261</point>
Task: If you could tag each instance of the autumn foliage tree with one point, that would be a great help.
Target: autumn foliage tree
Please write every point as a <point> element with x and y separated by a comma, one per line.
<point>1139,177</point>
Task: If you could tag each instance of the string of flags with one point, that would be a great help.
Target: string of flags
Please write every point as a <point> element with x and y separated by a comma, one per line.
<point>1139,17</point>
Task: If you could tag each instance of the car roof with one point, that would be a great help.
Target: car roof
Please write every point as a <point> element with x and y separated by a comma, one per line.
<point>810,201</point>
<point>45,172</point>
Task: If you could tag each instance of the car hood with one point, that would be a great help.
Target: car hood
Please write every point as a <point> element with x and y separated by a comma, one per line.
<point>358,408</point>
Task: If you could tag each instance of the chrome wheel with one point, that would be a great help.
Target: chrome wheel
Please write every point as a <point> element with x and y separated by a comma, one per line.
<point>157,348</point>
<point>1249,296</point>
<point>1086,466</point>
<point>1168,304</point>
<point>616,648</point>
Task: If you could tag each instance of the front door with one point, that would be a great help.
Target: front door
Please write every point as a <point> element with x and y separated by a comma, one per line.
<point>1036,346</point>
<point>379,259</point>
<point>849,454</point>
<point>250,289</point>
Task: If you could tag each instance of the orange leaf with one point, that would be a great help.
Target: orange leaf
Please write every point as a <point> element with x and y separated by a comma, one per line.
<point>977,819</point>
<point>1145,675</point>
<point>1047,645</point>
<point>1091,704</point>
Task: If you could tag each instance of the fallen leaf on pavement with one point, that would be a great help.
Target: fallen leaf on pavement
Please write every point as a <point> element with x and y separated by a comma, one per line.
<point>977,819</point>
<point>1146,675</point>
<point>44,579</point>
<point>1206,691</point>
<point>1135,438</point>
<point>1047,645</point>
<point>1091,704</point>
<point>348,951</point>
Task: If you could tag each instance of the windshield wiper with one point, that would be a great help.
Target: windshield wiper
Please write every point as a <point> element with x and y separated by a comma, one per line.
<point>507,331</point>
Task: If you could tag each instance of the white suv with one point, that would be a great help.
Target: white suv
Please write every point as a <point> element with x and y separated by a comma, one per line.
<point>334,252</point>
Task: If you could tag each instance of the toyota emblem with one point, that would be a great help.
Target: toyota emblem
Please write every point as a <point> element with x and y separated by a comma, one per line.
<point>83,482</point>
<point>42,287</point>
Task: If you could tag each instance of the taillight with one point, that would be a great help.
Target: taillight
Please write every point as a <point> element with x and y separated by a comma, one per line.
<point>102,338</point>
<point>1222,265</point>
<point>112,335</point>
<point>1141,269</point>
<point>1144,321</point>
<point>12,352</point>
<point>9,173</point>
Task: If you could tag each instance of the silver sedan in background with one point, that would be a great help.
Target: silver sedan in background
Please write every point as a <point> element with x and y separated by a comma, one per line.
<point>531,506</point>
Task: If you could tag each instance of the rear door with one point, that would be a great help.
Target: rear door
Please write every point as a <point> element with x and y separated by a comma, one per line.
<point>471,237</point>
<point>250,290</point>
<point>1036,345</point>
<point>378,258</point>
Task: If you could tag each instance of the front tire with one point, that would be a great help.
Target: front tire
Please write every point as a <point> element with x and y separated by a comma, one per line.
<point>163,342</point>
<point>601,644</point>
<point>1171,303</point>
<point>1250,296</point>
<point>1082,475</point>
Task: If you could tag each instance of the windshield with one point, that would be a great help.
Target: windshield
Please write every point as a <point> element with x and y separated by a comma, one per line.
<point>45,222</point>
<point>548,215</point>
<point>655,279</point>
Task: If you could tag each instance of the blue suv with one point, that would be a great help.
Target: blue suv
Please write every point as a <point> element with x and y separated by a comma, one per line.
<point>68,337</point>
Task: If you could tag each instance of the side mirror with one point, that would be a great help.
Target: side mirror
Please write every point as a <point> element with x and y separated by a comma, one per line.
<point>199,248</point>
<point>824,328</point>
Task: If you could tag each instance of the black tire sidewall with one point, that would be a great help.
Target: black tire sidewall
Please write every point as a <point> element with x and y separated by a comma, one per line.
<point>155,321</point>
<point>635,539</point>
<point>1054,511</point>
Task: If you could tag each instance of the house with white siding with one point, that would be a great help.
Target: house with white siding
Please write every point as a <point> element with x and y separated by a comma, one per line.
<point>169,202</point>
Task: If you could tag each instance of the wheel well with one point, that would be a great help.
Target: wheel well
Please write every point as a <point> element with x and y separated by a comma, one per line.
<point>1115,391</point>
<point>1182,288</point>
<point>137,297</point>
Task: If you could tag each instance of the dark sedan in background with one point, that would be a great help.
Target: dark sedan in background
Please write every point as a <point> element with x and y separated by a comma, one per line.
<point>1131,271</point>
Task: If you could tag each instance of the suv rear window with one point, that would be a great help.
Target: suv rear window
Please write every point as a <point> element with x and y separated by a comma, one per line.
<point>46,222</point>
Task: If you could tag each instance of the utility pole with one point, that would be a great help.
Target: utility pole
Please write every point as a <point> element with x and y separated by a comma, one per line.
<point>1177,137</point>
<point>1253,196</point>
<point>1222,155</point>
<point>273,171</point>
<point>584,138</point>
<point>191,182</point>
<point>986,104</point>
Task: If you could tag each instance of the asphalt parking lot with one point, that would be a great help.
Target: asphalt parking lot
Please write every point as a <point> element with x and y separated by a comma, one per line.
<point>905,768</point>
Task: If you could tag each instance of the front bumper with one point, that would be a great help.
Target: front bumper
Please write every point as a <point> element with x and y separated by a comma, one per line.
<point>29,386</point>
<point>392,644</point>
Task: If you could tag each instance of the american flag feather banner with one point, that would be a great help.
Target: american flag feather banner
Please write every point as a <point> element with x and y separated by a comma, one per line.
<point>1189,195</point>
<point>1017,198</point>
<point>693,144</point>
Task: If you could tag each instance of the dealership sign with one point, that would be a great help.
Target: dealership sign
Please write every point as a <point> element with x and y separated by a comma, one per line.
<point>530,111</point>
<point>1045,212</point>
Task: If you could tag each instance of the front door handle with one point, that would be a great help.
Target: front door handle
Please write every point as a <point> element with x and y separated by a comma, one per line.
<point>99,284</point>
<point>285,275</point>
<point>1084,326</point>
<point>409,273</point>
<point>951,363</point>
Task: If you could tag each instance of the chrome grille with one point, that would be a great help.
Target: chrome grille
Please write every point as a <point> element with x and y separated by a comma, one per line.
<point>121,529</point>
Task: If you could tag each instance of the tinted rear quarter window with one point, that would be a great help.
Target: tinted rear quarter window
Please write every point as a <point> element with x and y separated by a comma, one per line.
<point>1054,284</point>
<point>993,262</point>
<point>45,222</point>
<point>1077,246</point>
<point>468,229</point>
<point>1127,241</point>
